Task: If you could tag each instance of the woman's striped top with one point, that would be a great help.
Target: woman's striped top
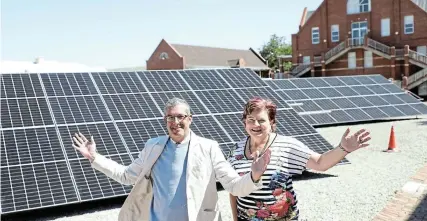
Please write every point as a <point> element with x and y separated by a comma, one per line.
<point>276,199</point>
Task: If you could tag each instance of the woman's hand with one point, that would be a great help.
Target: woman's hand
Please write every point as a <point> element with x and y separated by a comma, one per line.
<point>355,141</point>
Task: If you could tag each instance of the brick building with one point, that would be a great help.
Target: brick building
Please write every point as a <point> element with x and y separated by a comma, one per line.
<point>387,37</point>
<point>178,56</point>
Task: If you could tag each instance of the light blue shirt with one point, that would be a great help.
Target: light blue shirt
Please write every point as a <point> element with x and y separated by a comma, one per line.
<point>169,183</point>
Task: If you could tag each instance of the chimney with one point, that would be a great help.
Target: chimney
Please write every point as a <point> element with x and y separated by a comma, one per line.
<point>236,63</point>
<point>242,62</point>
<point>38,60</point>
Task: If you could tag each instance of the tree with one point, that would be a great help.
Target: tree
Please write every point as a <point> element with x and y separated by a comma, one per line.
<point>273,48</point>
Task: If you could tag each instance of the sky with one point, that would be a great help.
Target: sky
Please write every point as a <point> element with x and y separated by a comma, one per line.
<point>124,33</point>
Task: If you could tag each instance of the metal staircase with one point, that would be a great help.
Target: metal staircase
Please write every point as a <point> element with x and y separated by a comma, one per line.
<point>417,59</point>
<point>377,48</point>
<point>416,79</point>
<point>300,70</point>
<point>336,52</point>
<point>421,76</point>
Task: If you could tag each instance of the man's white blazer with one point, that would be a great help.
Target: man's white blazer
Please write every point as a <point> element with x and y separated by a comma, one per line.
<point>206,164</point>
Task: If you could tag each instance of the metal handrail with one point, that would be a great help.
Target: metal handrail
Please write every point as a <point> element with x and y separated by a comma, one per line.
<point>337,49</point>
<point>300,68</point>
<point>379,46</point>
<point>418,56</point>
<point>415,95</point>
<point>354,42</point>
<point>417,76</point>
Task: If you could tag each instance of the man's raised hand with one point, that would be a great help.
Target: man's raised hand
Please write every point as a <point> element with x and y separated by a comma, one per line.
<point>87,148</point>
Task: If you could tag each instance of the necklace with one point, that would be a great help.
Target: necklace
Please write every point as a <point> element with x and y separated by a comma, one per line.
<point>263,149</point>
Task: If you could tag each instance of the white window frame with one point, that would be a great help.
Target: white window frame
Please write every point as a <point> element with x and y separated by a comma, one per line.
<point>358,6</point>
<point>352,61</point>
<point>409,26</point>
<point>335,33</point>
<point>368,59</point>
<point>422,49</point>
<point>315,40</point>
<point>385,27</point>
<point>364,4</point>
<point>306,60</point>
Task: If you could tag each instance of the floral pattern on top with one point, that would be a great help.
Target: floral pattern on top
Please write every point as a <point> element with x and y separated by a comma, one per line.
<point>281,210</point>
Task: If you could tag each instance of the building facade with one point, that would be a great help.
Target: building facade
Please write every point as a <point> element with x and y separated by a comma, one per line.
<point>347,37</point>
<point>179,56</point>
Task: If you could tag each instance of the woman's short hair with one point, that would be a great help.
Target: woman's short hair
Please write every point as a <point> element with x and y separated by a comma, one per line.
<point>258,103</point>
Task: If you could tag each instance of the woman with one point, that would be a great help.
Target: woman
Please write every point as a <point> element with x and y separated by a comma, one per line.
<point>277,199</point>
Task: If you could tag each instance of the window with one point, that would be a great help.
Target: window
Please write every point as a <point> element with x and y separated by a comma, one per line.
<point>164,56</point>
<point>306,60</point>
<point>409,24</point>
<point>315,37</point>
<point>364,5</point>
<point>385,27</point>
<point>368,59</point>
<point>422,50</point>
<point>358,6</point>
<point>358,32</point>
<point>352,60</point>
<point>335,33</point>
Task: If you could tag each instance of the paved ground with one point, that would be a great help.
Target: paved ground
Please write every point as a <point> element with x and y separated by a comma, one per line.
<point>410,203</point>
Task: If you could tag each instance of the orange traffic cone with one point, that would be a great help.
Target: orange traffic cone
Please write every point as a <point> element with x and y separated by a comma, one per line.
<point>392,142</point>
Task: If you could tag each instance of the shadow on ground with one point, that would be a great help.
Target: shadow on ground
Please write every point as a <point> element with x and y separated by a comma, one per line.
<point>75,209</point>
<point>63,211</point>
<point>420,213</point>
<point>309,175</point>
<point>424,123</point>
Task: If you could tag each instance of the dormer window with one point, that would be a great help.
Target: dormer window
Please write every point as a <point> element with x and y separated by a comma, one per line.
<point>358,6</point>
<point>164,56</point>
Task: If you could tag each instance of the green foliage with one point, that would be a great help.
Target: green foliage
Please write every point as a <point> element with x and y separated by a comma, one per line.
<point>287,66</point>
<point>274,47</point>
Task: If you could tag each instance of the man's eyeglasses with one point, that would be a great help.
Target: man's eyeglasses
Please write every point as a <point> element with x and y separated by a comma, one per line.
<point>178,117</point>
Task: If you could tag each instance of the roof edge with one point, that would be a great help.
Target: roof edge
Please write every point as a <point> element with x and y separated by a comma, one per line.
<point>304,15</point>
<point>311,16</point>
<point>258,55</point>
<point>419,6</point>
<point>174,49</point>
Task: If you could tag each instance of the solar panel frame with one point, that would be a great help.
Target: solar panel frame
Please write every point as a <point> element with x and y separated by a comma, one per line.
<point>156,81</point>
<point>118,83</point>
<point>67,84</point>
<point>31,112</point>
<point>132,106</point>
<point>356,94</point>
<point>11,84</point>
<point>78,109</point>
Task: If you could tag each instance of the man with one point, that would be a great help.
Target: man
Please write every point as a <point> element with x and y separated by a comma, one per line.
<point>183,177</point>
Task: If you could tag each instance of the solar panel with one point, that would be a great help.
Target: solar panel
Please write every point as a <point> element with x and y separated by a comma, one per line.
<point>332,100</point>
<point>122,110</point>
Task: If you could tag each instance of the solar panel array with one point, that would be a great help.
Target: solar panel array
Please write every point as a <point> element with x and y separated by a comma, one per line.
<point>122,110</point>
<point>332,100</point>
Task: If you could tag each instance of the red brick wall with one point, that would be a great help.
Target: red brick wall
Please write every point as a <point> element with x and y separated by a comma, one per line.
<point>173,62</point>
<point>380,66</point>
<point>384,9</point>
<point>303,42</point>
<point>335,12</point>
<point>336,16</point>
